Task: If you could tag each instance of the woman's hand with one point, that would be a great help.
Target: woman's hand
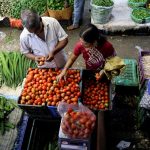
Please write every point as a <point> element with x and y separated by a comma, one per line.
<point>61,75</point>
<point>99,75</point>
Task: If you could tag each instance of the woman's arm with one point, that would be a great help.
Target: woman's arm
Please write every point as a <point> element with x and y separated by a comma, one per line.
<point>69,63</point>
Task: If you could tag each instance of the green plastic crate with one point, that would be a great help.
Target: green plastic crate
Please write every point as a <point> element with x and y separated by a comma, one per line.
<point>140,20</point>
<point>129,76</point>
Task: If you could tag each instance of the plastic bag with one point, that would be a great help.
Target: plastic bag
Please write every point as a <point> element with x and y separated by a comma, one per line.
<point>77,120</point>
<point>113,66</point>
<point>2,35</point>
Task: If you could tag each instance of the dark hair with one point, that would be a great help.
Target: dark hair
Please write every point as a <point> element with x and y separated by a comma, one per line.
<point>90,33</point>
<point>30,19</point>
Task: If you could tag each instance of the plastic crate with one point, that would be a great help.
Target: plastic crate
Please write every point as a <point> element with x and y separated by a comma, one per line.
<point>142,20</point>
<point>53,111</point>
<point>66,143</point>
<point>129,76</point>
<point>40,111</point>
<point>88,75</point>
<point>133,4</point>
<point>42,133</point>
<point>37,111</point>
<point>141,67</point>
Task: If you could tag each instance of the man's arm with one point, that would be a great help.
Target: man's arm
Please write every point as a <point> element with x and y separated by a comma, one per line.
<point>60,45</point>
<point>33,57</point>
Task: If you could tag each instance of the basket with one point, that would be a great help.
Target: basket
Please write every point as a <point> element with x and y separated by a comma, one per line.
<point>65,14</point>
<point>136,4</point>
<point>100,14</point>
<point>137,20</point>
<point>129,76</point>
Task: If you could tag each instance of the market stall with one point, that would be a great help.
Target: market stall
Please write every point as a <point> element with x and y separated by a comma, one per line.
<point>40,94</point>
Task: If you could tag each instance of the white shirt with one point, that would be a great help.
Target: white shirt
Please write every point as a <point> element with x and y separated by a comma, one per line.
<point>31,43</point>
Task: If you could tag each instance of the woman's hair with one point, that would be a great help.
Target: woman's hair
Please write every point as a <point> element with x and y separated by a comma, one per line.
<point>30,19</point>
<point>90,33</point>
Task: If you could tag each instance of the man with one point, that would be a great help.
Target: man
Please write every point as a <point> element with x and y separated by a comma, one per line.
<point>43,37</point>
<point>77,14</point>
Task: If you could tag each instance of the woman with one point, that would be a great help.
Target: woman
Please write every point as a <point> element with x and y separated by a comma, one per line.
<point>93,46</point>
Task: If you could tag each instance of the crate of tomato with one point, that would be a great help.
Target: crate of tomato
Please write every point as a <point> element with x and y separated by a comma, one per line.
<point>96,94</point>
<point>42,93</point>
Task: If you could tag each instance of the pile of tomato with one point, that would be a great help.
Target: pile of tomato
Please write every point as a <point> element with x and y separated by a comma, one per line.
<point>78,124</point>
<point>96,94</point>
<point>41,87</point>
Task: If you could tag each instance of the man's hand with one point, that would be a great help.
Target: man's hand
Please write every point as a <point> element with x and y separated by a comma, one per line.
<point>50,57</point>
<point>38,58</point>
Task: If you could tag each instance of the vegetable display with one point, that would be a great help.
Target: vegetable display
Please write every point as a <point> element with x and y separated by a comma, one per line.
<point>18,5</point>
<point>14,67</point>
<point>78,123</point>
<point>58,4</point>
<point>106,3</point>
<point>6,106</point>
<point>96,95</point>
<point>141,13</point>
<point>41,87</point>
<point>137,1</point>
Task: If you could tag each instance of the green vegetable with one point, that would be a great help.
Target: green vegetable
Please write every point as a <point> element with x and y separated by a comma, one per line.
<point>141,13</point>
<point>138,1</point>
<point>106,3</point>
<point>6,106</point>
<point>18,5</point>
<point>58,4</point>
<point>11,75</point>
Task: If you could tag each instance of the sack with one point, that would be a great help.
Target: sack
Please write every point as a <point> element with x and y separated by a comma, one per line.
<point>77,122</point>
<point>64,14</point>
<point>145,101</point>
<point>100,14</point>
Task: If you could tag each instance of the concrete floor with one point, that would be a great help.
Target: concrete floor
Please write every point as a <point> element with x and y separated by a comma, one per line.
<point>124,45</point>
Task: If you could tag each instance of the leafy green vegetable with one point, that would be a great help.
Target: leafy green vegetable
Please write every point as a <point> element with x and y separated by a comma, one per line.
<point>106,3</point>
<point>6,106</point>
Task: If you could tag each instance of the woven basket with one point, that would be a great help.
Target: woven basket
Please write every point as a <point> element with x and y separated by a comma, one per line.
<point>64,14</point>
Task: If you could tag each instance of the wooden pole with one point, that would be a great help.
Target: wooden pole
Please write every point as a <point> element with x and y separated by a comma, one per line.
<point>101,137</point>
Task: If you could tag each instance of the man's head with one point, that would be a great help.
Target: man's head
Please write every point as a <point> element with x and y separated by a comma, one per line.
<point>31,20</point>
